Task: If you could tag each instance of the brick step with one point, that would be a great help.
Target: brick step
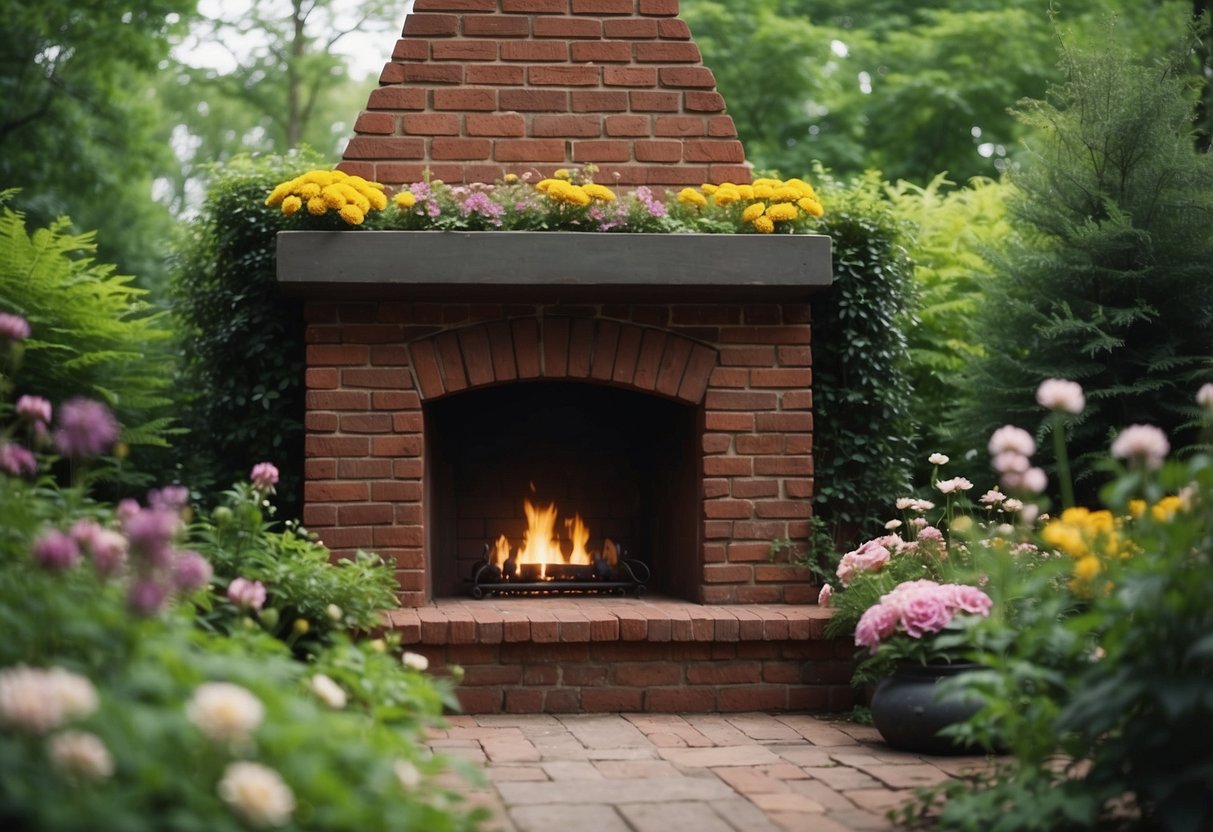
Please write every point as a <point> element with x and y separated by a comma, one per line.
<point>579,655</point>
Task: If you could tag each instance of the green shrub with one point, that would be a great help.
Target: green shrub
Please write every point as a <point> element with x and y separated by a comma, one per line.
<point>242,340</point>
<point>1108,277</point>
<point>861,391</point>
<point>94,334</point>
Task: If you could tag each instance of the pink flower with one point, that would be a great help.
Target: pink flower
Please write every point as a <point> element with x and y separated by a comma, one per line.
<point>869,557</point>
<point>170,497</point>
<point>1034,480</point>
<point>56,551</point>
<point>146,597</point>
<point>925,612</point>
<point>16,460</point>
<point>34,408</point>
<point>930,533</point>
<point>126,509</point>
<point>1058,394</point>
<point>1204,396</point>
<point>968,599</point>
<point>109,551</point>
<point>264,477</point>
<point>86,428</point>
<point>1011,438</point>
<point>954,484</point>
<point>85,531</point>
<point>1009,462</point>
<point>823,597</point>
<point>1144,444</point>
<point>13,327</point>
<point>877,623</point>
<point>246,594</point>
<point>151,532</point>
<point>191,571</point>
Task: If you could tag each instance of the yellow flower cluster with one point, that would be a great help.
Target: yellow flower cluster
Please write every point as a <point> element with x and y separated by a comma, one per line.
<point>560,189</point>
<point>321,191</point>
<point>767,201</point>
<point>1161,512</point>
<point>1088,537</point>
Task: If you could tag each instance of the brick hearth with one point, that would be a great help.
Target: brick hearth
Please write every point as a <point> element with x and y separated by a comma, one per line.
<point>572,655</point>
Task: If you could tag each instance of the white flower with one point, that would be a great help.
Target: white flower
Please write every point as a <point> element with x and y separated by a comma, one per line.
<point>993,497</point>
<point>334,612</point>
<point>893,524</point>
<point>1034,480</point>
<point>1010,462</point>
<point>328,691</point>
<point>938,459</point>
<point>1204,396</point>
<point>257,793</point>
<point>1011,438</point>
<point>224,712</point>
<point>954,484</point>
<point>1059,394</point>
<point>904,503</point>
<point>80,755</point>
<point>1013,505</point>
<point>37,700</point>
<point>407,774</point>
<point>1142,443</point>
<point>416,661</point>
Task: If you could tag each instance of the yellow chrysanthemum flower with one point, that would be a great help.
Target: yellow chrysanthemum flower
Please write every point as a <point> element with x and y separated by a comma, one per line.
<point>316,206</point>
<point>352,214</point>
<point>708,188</point>
<point>599,193</point>
<point>767,182</point>
<point>332,196</point>
<point>1065,537</point>
<point>782,212</point>
<point>810,206</point>
<point>291,205</point>
<point>543,185</point>
<point>746,191</point>
<point>406,199</point>
<point>804,187</point>
<point>785,194</point>
<point>378,199</point>
<point>753,212</point>
<point>308,190</point>
<point>568,193</point>
<point>278,194</point>
<point>1087,567</point>
<point>726,196</point>
<point>690,196</point>
<point>510,178</point>
<point>763,191</point>
<point>764,225</point>
<point>1137,508</point>
<point>561,173</point>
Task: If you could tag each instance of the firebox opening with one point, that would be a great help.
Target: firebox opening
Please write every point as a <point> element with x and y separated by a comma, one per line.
<point>621,461</point>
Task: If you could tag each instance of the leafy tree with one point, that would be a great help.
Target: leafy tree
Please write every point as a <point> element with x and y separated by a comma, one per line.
<point>241,339</point>
<point>281,84</point>
<point>93,333</point>
<point>1108,279</point>
<point>75,125</point>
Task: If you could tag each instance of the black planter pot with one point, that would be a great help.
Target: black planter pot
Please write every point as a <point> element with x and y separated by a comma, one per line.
<point>909,713</point>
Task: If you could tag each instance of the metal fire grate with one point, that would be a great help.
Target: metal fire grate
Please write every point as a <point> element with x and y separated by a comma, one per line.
<point>597,578</point>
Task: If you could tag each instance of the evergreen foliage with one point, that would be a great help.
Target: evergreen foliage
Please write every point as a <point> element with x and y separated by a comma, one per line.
<point>94,334</point>
<point>1108,280</point>
<point>242,340</point>
<point>861,390</point>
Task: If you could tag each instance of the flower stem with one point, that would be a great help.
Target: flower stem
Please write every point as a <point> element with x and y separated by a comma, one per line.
<point>1063,461</point>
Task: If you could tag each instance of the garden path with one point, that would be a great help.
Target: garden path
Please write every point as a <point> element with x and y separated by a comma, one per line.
<point>751,772</point>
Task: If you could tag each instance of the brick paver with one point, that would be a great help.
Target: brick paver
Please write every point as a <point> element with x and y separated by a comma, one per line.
<point>751,772</point>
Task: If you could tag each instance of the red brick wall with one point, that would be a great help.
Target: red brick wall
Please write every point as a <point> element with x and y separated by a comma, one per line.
<point>480,88</point>
<point>746,367</point>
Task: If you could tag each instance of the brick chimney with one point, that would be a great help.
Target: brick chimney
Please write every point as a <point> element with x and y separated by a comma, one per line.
<point>477,89</point>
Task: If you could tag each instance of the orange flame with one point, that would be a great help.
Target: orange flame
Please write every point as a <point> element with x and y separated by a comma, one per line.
<point>539,542</point>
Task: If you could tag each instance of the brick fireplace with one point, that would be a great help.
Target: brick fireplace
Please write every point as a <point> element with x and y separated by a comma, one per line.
<point>657,385</point>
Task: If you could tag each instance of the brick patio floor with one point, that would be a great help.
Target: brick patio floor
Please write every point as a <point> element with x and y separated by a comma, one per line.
<point>752,772</point>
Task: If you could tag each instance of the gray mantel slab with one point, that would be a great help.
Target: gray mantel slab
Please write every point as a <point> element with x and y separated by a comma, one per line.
<point>787,265</point>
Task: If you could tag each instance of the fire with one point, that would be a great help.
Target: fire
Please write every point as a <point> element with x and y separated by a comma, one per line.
<point>540,543</point>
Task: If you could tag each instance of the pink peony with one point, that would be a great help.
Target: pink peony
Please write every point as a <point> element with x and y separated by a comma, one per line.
<point>953,484</point>
<point>1144,444</point>
<point>109,551</point>
<point>877,623</point>
<point>34,408</point>
<point>1034,480</point>
<point>16,460</point>
<point>13,327</point>
<point>87,428</point>
<point>823,597</point>
<point>924,612</point>
<point>1061,395</point>
<point>246,594</point>
<point>191,571</point>
<point>963,598</point>
<point>264,476</point>
<point>146,596</point>
<point>869,557</point>
<point>55,550</point>
<point>151,532</point>
<point>1011,438</point>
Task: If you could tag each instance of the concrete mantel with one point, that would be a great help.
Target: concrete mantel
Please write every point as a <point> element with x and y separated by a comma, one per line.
<point>778,267</point>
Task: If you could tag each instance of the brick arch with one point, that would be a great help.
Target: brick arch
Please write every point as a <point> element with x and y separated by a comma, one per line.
<point>569,349</point>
